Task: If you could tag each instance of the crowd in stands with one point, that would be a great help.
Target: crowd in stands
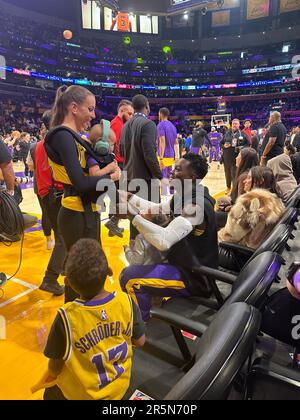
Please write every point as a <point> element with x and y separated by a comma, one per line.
<point>21,109</point>
<point>41,48</point>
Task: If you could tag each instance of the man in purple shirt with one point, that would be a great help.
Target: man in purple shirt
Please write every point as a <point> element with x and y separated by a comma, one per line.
<point>214,150</point>
<point>168,146</point>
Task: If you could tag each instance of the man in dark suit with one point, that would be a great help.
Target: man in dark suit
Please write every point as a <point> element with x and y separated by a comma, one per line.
<point>296,140</point>
<point>139,148</point>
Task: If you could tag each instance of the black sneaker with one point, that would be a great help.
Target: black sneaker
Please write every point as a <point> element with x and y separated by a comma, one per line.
<point>114,230</point>
<point>53,287</point>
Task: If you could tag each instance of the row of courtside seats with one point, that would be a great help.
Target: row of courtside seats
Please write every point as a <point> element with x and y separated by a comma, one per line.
<point>215,358</point>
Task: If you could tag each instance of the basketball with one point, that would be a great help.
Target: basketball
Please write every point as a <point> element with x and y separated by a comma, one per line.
<point>68,34</point>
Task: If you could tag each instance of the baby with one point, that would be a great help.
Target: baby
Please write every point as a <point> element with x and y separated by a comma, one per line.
<point>96,140</point>
<point>141,252</point>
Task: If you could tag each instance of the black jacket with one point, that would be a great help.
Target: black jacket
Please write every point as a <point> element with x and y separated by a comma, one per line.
<point>199,137</point>
<point>237,140</point>
<point>296,141</point>
<point>139,148</point>
<point>200,247</point>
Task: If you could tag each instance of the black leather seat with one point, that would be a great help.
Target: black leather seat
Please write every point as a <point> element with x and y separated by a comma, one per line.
<point>194,315</point>
<point>294,200</point>
<point>289,218</point>
<point>271,381</point>
<point>233,257</point>
<point>223,351</point>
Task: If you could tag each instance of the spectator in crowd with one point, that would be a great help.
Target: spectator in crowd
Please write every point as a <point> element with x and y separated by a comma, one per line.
<point>293,133</point>
<point>188,143</point>
<point>282,308</point>
<point>296,140</point>
<point>181,142</point>
<point>295,159</point>
<point>24,146</point>
<point>260,177</point>
<point>247,130</point>
<point>139,138</point>
<point>252,218</point>
<point>274,141</point>
<point>233,141</point>
<point>247,159</point>
<point>255,140</point>
<point>283,171</point>
<point>31,162</point>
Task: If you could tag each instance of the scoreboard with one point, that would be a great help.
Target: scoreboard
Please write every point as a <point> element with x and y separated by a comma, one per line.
<point>176,2</point>
<point>178,5</point>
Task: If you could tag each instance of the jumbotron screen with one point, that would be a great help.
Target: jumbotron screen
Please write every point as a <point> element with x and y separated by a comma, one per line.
<point>99,18</point>
<point>175,2</point>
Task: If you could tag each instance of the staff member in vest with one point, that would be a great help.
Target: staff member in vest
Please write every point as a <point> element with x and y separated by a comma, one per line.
<point>78,218</point>
<point>231,144</point>
<point>190,239</point>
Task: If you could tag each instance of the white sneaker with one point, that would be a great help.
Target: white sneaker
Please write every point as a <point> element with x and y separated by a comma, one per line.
<point>50,244</point>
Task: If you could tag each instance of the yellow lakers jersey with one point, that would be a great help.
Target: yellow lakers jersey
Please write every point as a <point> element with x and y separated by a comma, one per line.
<point>60,175</point>
<point>98,355</point>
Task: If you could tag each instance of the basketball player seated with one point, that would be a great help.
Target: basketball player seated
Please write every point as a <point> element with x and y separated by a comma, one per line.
<point>91,339</point>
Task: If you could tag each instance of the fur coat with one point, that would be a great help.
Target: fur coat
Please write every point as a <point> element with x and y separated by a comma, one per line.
<point>252,218</point>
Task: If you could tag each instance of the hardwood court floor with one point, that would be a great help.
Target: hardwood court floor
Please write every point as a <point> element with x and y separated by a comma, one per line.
<point>29,312</point>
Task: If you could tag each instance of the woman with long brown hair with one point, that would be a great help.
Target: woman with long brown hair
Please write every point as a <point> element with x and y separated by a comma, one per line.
<point>78,218</point>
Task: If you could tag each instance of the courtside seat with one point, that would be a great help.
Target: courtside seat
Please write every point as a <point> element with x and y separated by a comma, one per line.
<point>271,381</point>
<point>289,218</point>
<point>294,200</point>
<point>233,257</point>
<point>223,351</point>
<point>194,315</point>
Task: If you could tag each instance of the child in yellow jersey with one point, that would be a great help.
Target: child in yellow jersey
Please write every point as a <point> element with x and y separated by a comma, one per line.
<point>90,343</point>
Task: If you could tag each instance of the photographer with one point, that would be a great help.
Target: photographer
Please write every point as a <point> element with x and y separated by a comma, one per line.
<point>233,141</point>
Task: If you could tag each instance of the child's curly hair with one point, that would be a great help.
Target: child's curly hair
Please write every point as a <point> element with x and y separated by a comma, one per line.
<point>87,268</point>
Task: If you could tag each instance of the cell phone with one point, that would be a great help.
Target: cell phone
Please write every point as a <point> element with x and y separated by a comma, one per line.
<point>293,275</point>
